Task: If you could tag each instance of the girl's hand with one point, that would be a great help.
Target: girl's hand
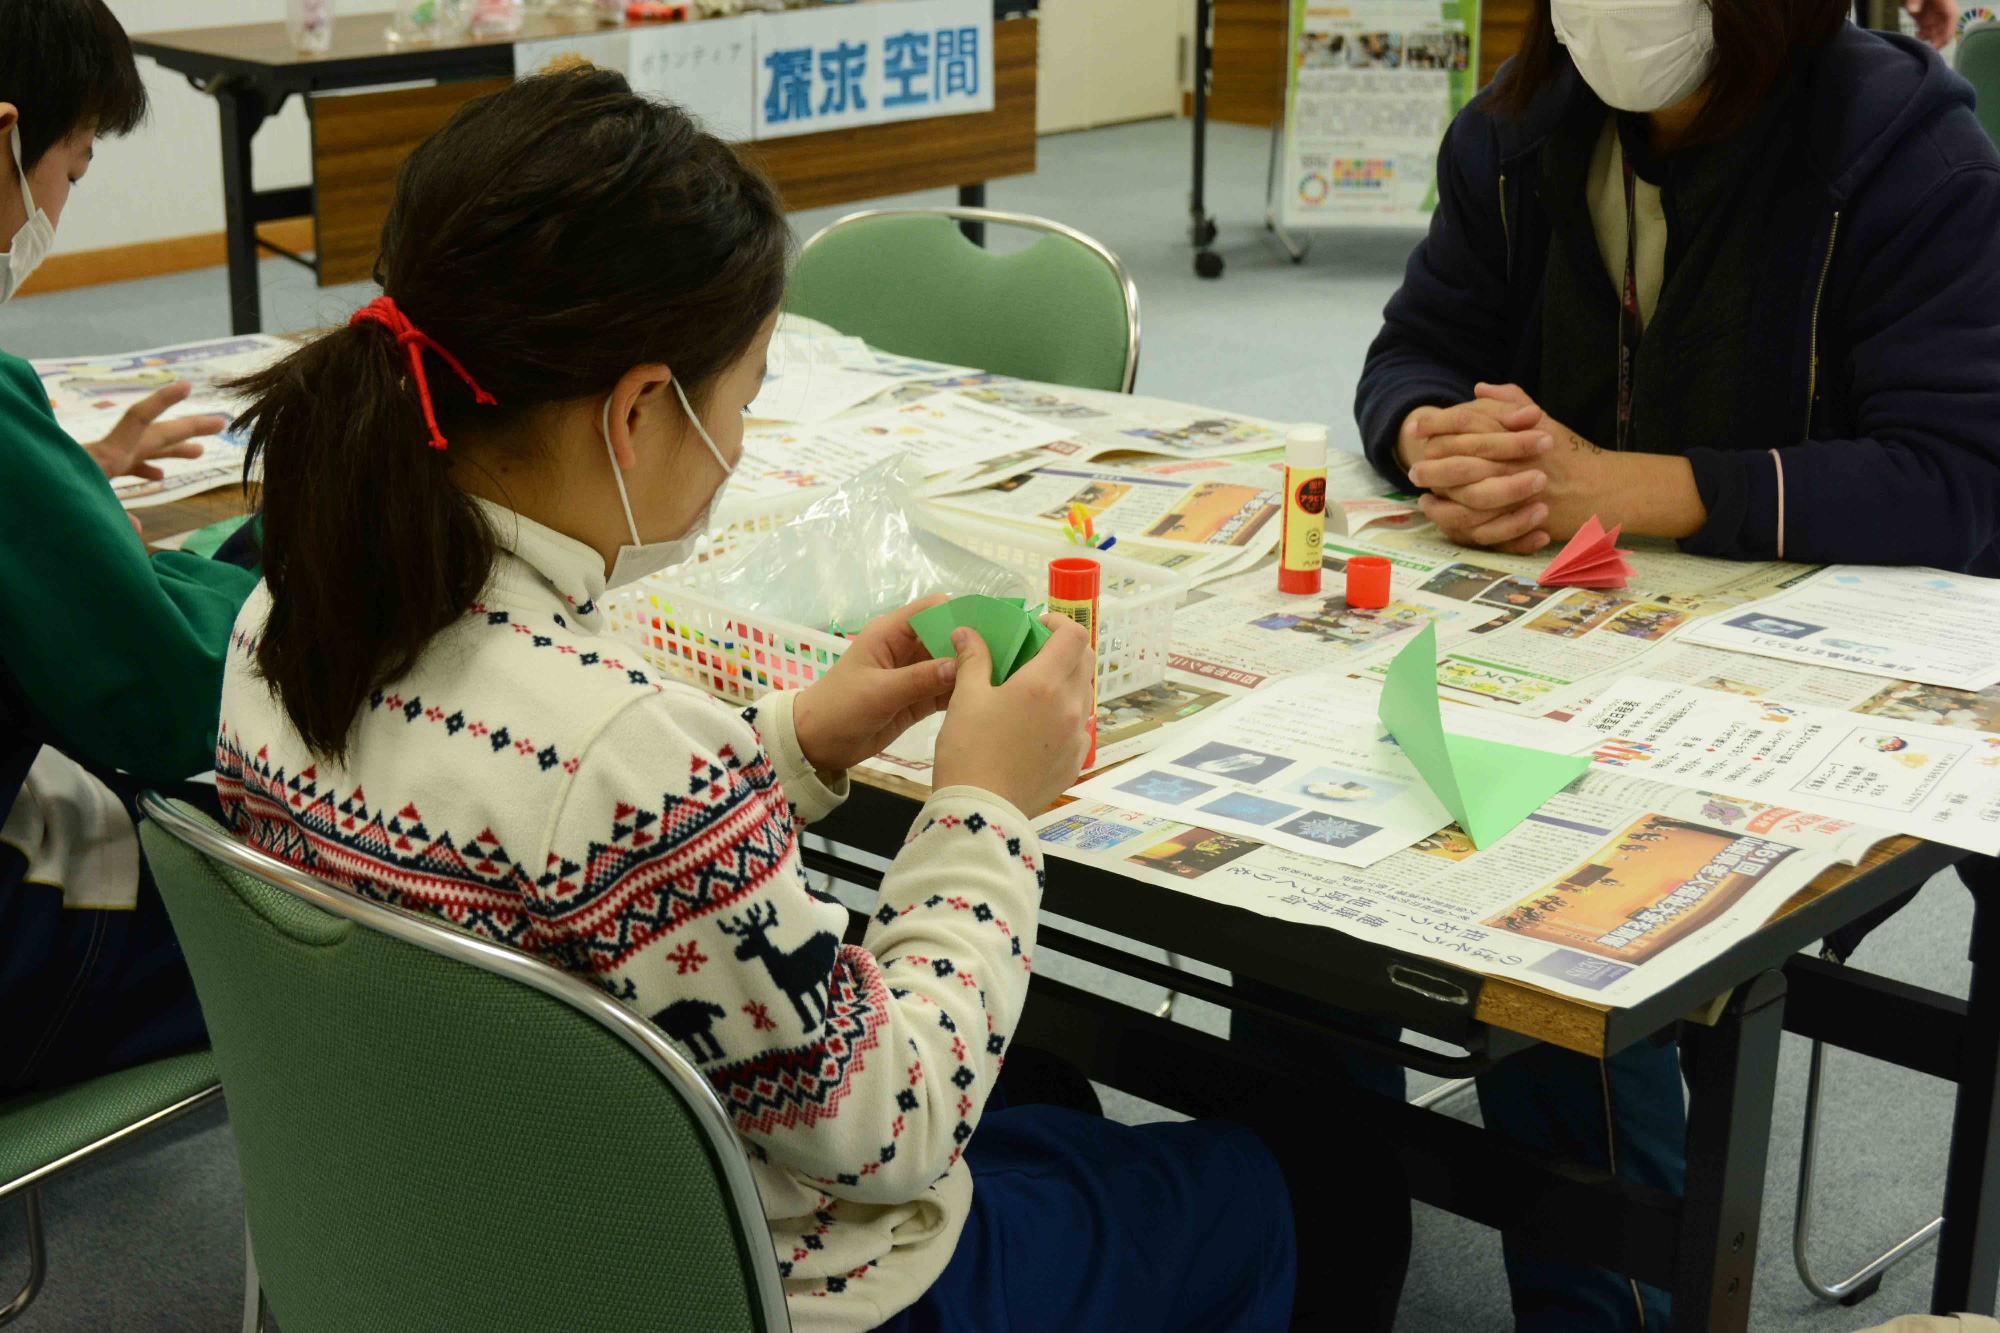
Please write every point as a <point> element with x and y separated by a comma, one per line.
<point>1023,741</point>
<point>884,684</point>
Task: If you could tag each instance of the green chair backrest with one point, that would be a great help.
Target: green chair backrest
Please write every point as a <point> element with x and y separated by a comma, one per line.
<point>1979,62</point>
<point>907,281</point>
<point>440,1133</point>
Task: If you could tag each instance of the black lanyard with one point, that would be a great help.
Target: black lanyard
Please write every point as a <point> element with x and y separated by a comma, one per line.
<point>1630,327</point>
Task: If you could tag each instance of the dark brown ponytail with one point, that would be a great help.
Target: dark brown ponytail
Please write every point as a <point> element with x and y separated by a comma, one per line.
<point>551,236</point>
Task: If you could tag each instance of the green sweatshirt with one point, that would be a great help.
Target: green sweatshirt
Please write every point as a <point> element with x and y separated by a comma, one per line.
<point>118,653</point>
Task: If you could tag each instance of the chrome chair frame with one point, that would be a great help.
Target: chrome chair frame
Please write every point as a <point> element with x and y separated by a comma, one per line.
<point>673,1068</point>
<point>29,1188</point>
<point>1867,1279</point>
<point>1029,222</point>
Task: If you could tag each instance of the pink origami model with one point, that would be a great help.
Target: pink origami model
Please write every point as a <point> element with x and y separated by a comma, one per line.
<point>1591,560</point>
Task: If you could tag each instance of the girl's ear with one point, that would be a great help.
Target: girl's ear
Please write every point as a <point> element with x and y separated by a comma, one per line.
<point>635,391</point>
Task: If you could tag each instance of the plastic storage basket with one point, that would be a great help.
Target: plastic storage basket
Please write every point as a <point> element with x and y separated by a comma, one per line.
<point>741,655</point>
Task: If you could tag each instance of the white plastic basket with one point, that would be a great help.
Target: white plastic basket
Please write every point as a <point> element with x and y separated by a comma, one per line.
<point>742,655</point>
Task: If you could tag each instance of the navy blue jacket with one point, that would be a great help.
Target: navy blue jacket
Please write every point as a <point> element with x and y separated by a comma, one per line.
<point>1874,362</point>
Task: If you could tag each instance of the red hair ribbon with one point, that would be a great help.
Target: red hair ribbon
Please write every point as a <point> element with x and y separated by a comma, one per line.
<point>383,310</point>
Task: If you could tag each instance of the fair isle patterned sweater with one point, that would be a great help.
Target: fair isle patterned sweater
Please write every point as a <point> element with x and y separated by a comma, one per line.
<point>532,782</point>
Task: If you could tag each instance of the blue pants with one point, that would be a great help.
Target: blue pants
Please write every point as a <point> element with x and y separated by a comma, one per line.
<point>1083,1223</point>
<point>87,991</point>
<point>1626,1113</point>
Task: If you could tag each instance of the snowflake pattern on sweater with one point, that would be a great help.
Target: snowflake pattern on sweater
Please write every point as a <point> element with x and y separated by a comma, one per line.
<point>531,782</point>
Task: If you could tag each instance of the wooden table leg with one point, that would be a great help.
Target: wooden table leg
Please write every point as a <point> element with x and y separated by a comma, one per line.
<point>1732,1071</point>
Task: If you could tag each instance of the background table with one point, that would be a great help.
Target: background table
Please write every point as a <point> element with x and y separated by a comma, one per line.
<point>359,140</point>
<point>1729,1014</point>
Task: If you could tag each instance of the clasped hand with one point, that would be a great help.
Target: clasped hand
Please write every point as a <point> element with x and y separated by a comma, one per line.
<point>1500,472</point>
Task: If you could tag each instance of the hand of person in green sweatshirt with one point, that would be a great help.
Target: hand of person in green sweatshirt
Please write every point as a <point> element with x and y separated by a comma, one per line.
<point>140,436</point>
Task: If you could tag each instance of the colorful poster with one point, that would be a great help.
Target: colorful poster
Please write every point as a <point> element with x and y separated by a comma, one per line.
<point>1371,86</point>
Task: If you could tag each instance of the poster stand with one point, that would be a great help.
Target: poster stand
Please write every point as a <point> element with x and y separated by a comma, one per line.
<point>1370,87</point>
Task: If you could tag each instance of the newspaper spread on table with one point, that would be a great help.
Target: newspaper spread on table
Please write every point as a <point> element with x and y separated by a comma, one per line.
<point>1256,774</point>
<point>90,394</point>
<point>1934,782</point>
<point>1610,892</point>
<point>1926,625</point>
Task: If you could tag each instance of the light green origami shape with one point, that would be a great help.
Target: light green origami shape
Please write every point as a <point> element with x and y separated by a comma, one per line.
<point>1012,633</point>
<point>1489,786</point>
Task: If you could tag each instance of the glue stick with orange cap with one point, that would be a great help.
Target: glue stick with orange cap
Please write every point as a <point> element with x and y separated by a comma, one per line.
<point>1073,591</point>
<point>1305,510</point>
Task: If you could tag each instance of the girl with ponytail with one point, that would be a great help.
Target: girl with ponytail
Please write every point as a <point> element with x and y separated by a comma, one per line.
<point>424,705</point>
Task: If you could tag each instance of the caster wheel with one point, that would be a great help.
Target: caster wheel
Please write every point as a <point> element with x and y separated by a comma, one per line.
<point>1204,232</point>
<point>1208,264</point>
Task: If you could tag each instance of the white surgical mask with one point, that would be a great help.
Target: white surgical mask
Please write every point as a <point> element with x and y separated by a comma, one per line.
<point>636,561</point>
<point>1638,55</point>
<point>32,243</point>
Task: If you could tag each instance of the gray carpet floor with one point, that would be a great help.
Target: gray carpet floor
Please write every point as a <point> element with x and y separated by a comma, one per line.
<point>152,1239</point>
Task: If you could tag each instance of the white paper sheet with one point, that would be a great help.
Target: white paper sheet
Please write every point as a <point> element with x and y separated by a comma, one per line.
<point>1909,624</point>
<point>1932,782</point>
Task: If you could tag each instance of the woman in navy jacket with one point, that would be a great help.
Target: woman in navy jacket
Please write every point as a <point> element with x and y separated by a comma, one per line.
<point>1818,375</point>
<point>1795,299</point>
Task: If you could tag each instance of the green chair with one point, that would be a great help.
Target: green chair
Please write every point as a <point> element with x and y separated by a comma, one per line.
<point>44,1134</point>
<point>440,1133</point>
<point>906,280</point>
<point>1979,62</point>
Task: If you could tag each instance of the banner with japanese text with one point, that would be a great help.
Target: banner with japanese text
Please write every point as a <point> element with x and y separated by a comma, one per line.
<point>1370,88</point>
<point>847,65</point>
<point>802,71</point>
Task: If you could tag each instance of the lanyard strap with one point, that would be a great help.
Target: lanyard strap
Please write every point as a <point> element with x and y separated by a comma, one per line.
<point>1630,326</point>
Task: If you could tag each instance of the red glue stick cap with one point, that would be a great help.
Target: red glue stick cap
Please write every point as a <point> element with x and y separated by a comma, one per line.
<point>1073,579</point>
<point>1368,582</point>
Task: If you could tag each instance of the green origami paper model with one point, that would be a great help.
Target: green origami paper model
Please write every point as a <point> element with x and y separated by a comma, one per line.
<point>1489,786</point>
<point>1013,634</point>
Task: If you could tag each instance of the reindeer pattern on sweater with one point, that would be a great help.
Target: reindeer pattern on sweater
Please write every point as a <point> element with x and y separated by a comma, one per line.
<point>532,781</point>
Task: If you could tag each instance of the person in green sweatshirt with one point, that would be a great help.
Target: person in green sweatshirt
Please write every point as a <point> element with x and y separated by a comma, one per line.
<point>110,658</point>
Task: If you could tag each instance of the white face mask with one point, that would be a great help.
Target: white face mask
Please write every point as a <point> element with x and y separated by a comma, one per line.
<point>1638,55</point>
<point>32,243</point>
<point>636,561</point>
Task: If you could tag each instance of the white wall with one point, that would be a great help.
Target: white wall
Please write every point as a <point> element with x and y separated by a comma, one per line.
<point>165,179</point>
<point>1104,61</point>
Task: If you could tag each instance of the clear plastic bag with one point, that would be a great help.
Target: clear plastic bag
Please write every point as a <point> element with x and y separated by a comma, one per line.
<point>852,555</point>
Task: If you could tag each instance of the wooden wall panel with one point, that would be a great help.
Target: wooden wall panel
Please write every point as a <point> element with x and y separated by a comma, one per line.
<point>1248,87</point>
<point>359,140</point>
